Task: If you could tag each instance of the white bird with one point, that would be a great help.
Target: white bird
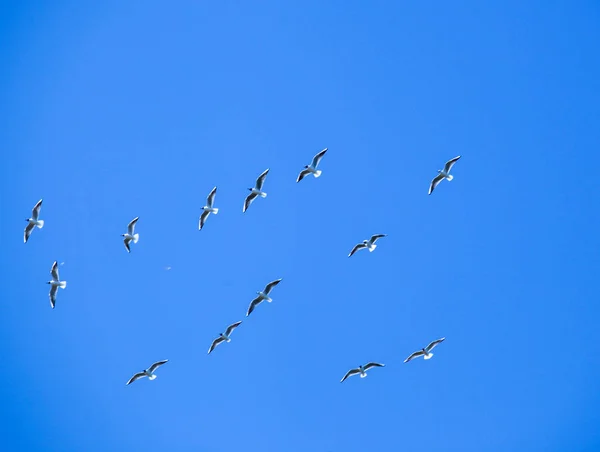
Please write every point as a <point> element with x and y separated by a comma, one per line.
<point>370,244</point>
<point>312,168</point>
<point>149,372</point>
<point>362,370</point>
<point>425,352</point>
<point>55,283</point>
<point>443,174</point>
<point>256,190</point>
<point>262,296</point>
<point>129,236</point>
<point>208,208</point>
<point>224,337</point>
<point>33,221</point>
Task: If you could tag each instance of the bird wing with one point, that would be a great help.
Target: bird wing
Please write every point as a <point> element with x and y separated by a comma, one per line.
<point>136,377</point>
<point>370,365</point>
<point>131,225</point>
<point>434,183</point>
<point>302,175</point>
<point>249,200</point>
<point>216,342</point>
<point>253,304</point>
<point>375,237</point>
<point>28,230</point>
<point>449,164</point>
<point>356,248</point>
<point>270,286</point>
<point>126,242</point>
<point>211,197</point>
<point>350,373</point>
<point>36,210</point>
<point>54,271</point>
<point>434,343</point>
<point>317,158</point>
<point>232,327</point>
<point>53,290</point>
<point>203,216</point>
<point>261,179</point>
<point>156,365</point>
<point>414,355</point>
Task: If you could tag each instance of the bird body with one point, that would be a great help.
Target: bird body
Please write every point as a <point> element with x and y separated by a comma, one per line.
<point>149,372</point>
<point>256,190</point>
<point>426,351</point>
<point>361,370</point>
<point>130,235</point>
<point>312,168</point>
<point>262,296</point>
<point>443,174</point>
<point>34,221</point>
<point>55,283</point>
<point>208,208</point>
<point>368,244</point>
<point>224,337</point>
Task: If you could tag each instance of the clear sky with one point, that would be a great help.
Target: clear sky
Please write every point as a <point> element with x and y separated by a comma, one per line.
<point>112,110</point>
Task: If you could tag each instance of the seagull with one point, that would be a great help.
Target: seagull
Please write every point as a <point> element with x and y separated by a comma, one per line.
<point>147,373</point>
<point>370,244</point>
<point>362,370</point>
<point>312,168</point>
<point>443,174</point>
<point>208,208</point>
<point>55,283</point>
<point>262,296</point>
<point>257,190</point>
<point>224,337</point>
<point>129,236</point>
<point>425,352</point>
<point>33,221</point>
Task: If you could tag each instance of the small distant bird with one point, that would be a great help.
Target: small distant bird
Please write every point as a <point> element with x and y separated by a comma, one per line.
<point>55,283</point>
<point>149,372</point>
<point>224,337</point>
<point>425,352</point>
<point>443,174</point>
<point>362,370</point>
<point>129,236</point>
<point>257,190</point>
<point>312,168</point>
<point>370,244</point>
<point>33,221</point>
<point>208,208</point>
<point>262,296</point>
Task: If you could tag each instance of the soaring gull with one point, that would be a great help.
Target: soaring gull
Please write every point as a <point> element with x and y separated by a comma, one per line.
<point>262,296</point>
<point>208,208</point>
<point>312,168</point>
<point>256,190</point>
<point>425,352</point>
<point>362,370</point>
<point>55,283</point>
<point>224,337</point>
<point>129,236</point>
<point>149,372</point>
<point>369,244</point>
<point>33,221</point>
<point>443,174</point>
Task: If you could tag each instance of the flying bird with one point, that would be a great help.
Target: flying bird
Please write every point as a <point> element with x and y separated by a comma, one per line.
<point>362,370</point>
<point>256,190</point>
<point>224,337</point>
<point>262,296</point>
<point>443,174</point>
<point>370,244</point>
<point>425,352</point>
<point>208,208</point>
<point>312,168</point>
<point>55,283</point>
<point>129,236</point>
<point>33,221</point>
<point>149,372</point>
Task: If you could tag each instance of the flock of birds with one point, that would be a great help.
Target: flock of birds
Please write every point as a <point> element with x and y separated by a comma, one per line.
<point>264,295</point>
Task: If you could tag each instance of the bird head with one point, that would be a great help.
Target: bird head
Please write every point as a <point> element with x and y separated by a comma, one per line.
<point>27,220</point>
<point>250,189</point>
<point>305,166</point>
<point>365,241</point>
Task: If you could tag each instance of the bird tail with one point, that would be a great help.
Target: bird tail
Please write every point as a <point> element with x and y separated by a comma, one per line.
<point>372,247</point>
<point>40,224</point>
<point>215,210</point>
<point>449,177</point>
<point>428,356</point>
<point>136,237</point>
<point>152,377</point>
<point>363,375</point>
<point>263,195</point>
<point>63,284</point>
<point>317,173</point>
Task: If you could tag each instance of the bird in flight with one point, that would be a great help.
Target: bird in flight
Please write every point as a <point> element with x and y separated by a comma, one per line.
<point>55,283</point>
<point>224,337</point>
<point>130,235</point>
<point>256,190</point>
<point>369,244</point>
<point>149,372</point>
<point>312,168</point>
<point>425,352</point>
<point>443,174</point>
<point>262,296</point>
<point>208,208</point>
<point>33,221</point>
<point>362,370</point>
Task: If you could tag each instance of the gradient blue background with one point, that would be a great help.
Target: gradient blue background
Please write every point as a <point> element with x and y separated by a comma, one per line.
<point>139,108</point>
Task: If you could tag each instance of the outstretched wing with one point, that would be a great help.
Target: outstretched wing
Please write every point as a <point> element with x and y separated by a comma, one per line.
<point>35,213</point>
<point>261,179</point>
<point>302,175</point>
<point>28,230</point>
<point>126,242</point>
<point>317,158</point>
<point>360,246</point>
<point>232,327</point>
<point>450,164</point>
<point>370,365</point>
<point>272,284</point>
<point>249,200</point>
<point>211,197</point>
<point>135,377</point>
<point>414,355</point>
<point>203,216</point>
<point>131,225</point>
<point>253,304</point>
<point>216,342</point>
<point>156,365</point>
<point>434,183</point>
<point>54,271</point>
<point>434,343</point>
<point>53,291</point>
<point>350,373</point>
<point>375,237</point>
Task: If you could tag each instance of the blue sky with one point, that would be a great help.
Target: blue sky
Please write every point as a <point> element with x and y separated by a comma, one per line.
<point>140,108</point>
